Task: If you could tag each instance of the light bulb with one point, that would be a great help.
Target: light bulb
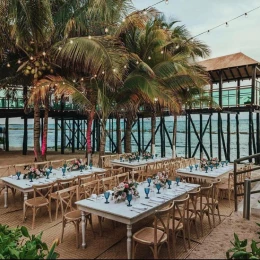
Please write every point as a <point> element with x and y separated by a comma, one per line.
<point>161,52</point>
<point>44,53</point>
<point>74,80</point>
<point>82,79</point>
<point>125,67</point>
<point>89,36</point>
<point>149,57</point>
<point>177,47</point>
<point>145,12</point>
<point>19,61</point>
<point>59,48</point>
<point>8,65</point>
<point>137,62</point>
<point>95,76</point>
<point>246,15</point>
<point>71,41</point>
<point>103,72</point>
<point>31,58</point>
<point>208,31</point>
<point>114,70</point>
<point>123,20</point>
<point>106,30</point>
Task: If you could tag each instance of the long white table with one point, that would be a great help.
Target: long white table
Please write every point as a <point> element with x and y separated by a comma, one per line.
<point>135,164</point>
<point>130,215</point>
<point>211,175</point>
<point>25,186</point>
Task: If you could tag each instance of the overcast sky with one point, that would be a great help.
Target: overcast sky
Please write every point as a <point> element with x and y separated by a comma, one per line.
<point>242,34</point>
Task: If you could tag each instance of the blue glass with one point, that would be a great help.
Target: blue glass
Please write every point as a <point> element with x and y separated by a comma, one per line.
<point>222,163</point>
<point>191,167</point>
<point>121,158</point>
<point>156,155</point>
<point>81,168</point>
<point>65,165</point>
<point>226,162</point>
<point>90,165</point>
<point>31,177</point>
<point>149,181</point>
<point>129,198</point>
<point>63,171</point>
<point>206,168</point>
<point>138,158</point>
<point>146,157</point>
<point>196,167</point>
<point>217,164</point>
<point>211,167</point>
<point>18,175</point>
<point>130,160</point>
<point>158,187</point>
<point>50,168</point>
<point>147,190</point>
<point>178,179</point>
<point>47,174</point>
<point>169,183</point>
<point>106,194</point>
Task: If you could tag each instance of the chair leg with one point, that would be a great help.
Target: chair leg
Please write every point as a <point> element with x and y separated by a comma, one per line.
<point>217,206</point>
<point>90,222</point>
<point>174,244</point>
<point>213,214</point>
<point>188,231</point>
<point>100,226</point>
<point>209,219</point>
<point>57,209</point>
<point>24,212</point>
<point>77,233</point>
<point>184,239</point>
<point>49,209</point>
<point>34,215</point>
<point>62,231</point>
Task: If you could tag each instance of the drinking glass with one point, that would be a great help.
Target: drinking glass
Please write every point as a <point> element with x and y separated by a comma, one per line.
<point>222,163</point>
<point>191,167</point>
<point>158,187</point>
<point>226,162</point>
<point>206,168</point>
<point>217,165</point>
<point>196,166</point>
<point>169,183</point>
<point>31,177</point>
<point>90,165</point>
<point>63,171</point>
<point>47,174</point>
<point>106,194</point>
<point>65,165</point>
<point>156,155</point>
<point>81,168</point>
<point>147,190</point>
<point>50,168</point>
<point>149,181</point>
<point>18,175</point>
<point>121,158</point>
<point>138,158</point>
<point>129,197</point>
<point>178,179</point>
<point>211,167</point>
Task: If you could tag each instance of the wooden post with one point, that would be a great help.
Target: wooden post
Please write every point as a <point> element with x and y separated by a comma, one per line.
<point>186,135</point>
<point>73,136</point>
<point>94,135</point>
<point>7,134</point>
<point>257,136</point>
<point>62,126</point>
<point>56,134</point>
<point>228,136</point>
<point>78,130</point>
<point>237,133</point>
<point>138,135</point>
<point>143,132</point>
<point>201,136</point>
<point>25,135</point>
<point>219,136</point>
<point>210,137</point>
<point>189,136</point>
<point>250,134</point>
<point>253,85</point>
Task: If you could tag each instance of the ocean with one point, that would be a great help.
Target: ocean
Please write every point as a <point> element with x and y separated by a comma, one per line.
<point>16,136</point>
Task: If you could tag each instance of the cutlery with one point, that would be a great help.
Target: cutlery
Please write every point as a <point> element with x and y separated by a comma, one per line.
<point>155,202</point>
<point>90,199</point>
<point>147,205</point>
<point>135,210</point>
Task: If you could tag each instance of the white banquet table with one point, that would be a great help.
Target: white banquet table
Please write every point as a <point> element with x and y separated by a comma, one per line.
<point>211,175</point>
<point>141,208</point>
<point>25,186</point>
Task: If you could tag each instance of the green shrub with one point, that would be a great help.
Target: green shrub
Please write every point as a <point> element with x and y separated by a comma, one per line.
<point>18,244</point>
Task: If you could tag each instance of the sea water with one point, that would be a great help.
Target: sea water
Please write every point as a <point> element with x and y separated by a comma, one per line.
<point>16,136</point>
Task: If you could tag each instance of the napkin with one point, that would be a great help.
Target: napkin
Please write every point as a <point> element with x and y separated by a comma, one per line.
<point>156,199</point>
<point>139,206</point>
<point>93,196</point>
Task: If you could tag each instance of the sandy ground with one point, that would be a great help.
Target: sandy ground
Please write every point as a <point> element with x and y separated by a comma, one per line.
<point>213,247</point>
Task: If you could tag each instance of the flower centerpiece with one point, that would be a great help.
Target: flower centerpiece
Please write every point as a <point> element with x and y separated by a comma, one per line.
<point>120,192</point>
<point>76,165</point>
<point>147,155</point>
<point>203,163</point>
<point>34,173</point>
<point>133,156</point>
<point>160,178</point>
<point>212,162</point>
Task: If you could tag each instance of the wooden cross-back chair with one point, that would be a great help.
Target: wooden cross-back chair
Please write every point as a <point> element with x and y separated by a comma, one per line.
<point>70,161</point>
<point>107,184</point>
<point>89,188</point>
<point>115,171</point>
<point>61,184</point>
<point>41,165</point>
<point>226,188</point>
<point>122,177</point>
<point>84,178</point>
<point>136,175</point>
<point>5,172</point>
<point>41,198</point>
<point>56,164</point>
<point>105,162</point>
<point>22,167</point>
<point>156,236</point>
<point>70,213</point>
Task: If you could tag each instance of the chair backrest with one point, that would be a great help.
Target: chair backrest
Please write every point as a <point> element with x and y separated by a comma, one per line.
<point>89,188</point>
<point>115,171</point>
<point>205,192</point>
<point>122,177</point>
<point>192,161</point>
<point>67,201</point>
<point>136,175</point>
<point>65,183</point>
<point>105,161</point>
<point>162,220</point>
<point>180,207</point>
<point>42,190</point>
<point>215,190</point>
<point>57,163</point>
<point>114,156</point>
<point>23,167</point>
<point>101,175</point>
<point>70,161</point>
<point>42,165</point>
<point>5,170</point>
<point>84,178</point>
<point>107,184</point>
<point>150,166</point>
<point>194,195</point>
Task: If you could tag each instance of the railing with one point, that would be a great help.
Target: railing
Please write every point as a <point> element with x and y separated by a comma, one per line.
<point>238,184</point>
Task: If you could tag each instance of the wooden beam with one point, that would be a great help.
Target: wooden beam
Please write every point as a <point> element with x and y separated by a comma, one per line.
<point>211,75</point>
<point>246,72</point>
<point>238,71</point>
<point>230,69</point>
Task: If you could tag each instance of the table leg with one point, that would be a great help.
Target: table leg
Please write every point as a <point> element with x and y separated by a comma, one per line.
<point>83,220</point>
<point>6,196</point>
<point>129,240</point>
<point>25,197</point>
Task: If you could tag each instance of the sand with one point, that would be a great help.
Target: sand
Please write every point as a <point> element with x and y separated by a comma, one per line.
<point>215,244</point>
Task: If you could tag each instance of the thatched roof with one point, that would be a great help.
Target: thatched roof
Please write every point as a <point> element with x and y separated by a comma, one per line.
<point>234,66</point>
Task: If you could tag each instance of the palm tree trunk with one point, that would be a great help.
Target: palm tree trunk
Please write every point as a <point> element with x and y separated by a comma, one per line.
<point>118,135</point>
<point>174,136</point>
<point>153,125</point>
<point>37,149</point>
<point>102,141</point>
<point>128,131</point>
<point>45,127</point>
<point>88,134</point>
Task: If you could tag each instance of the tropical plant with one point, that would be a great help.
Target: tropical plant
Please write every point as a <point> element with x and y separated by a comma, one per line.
<point>17,243</point>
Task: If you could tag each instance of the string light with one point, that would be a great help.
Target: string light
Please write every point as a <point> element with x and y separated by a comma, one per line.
<point>19,61</point>
<point>89,36</point>
<point>226,24</point>
<point>44,53</point>
<point>149,57</point>
<point>106,30</point>
<point>125,66</point>
<point>8,65</point>
<point>71,41</point>
<point>31,58</point>
<point>59,48</point>
<point>246,15</point>
<point>161,52</point>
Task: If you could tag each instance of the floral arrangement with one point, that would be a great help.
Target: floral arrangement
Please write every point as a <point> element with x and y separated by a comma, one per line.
<point>147,155</point>
<point>76,164</point>
<point>120,192</point>
<point>204,162</point>
<point>34,172</point>
<point>160,178</point>
<point>214,161</point>
<point>133,156</point>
